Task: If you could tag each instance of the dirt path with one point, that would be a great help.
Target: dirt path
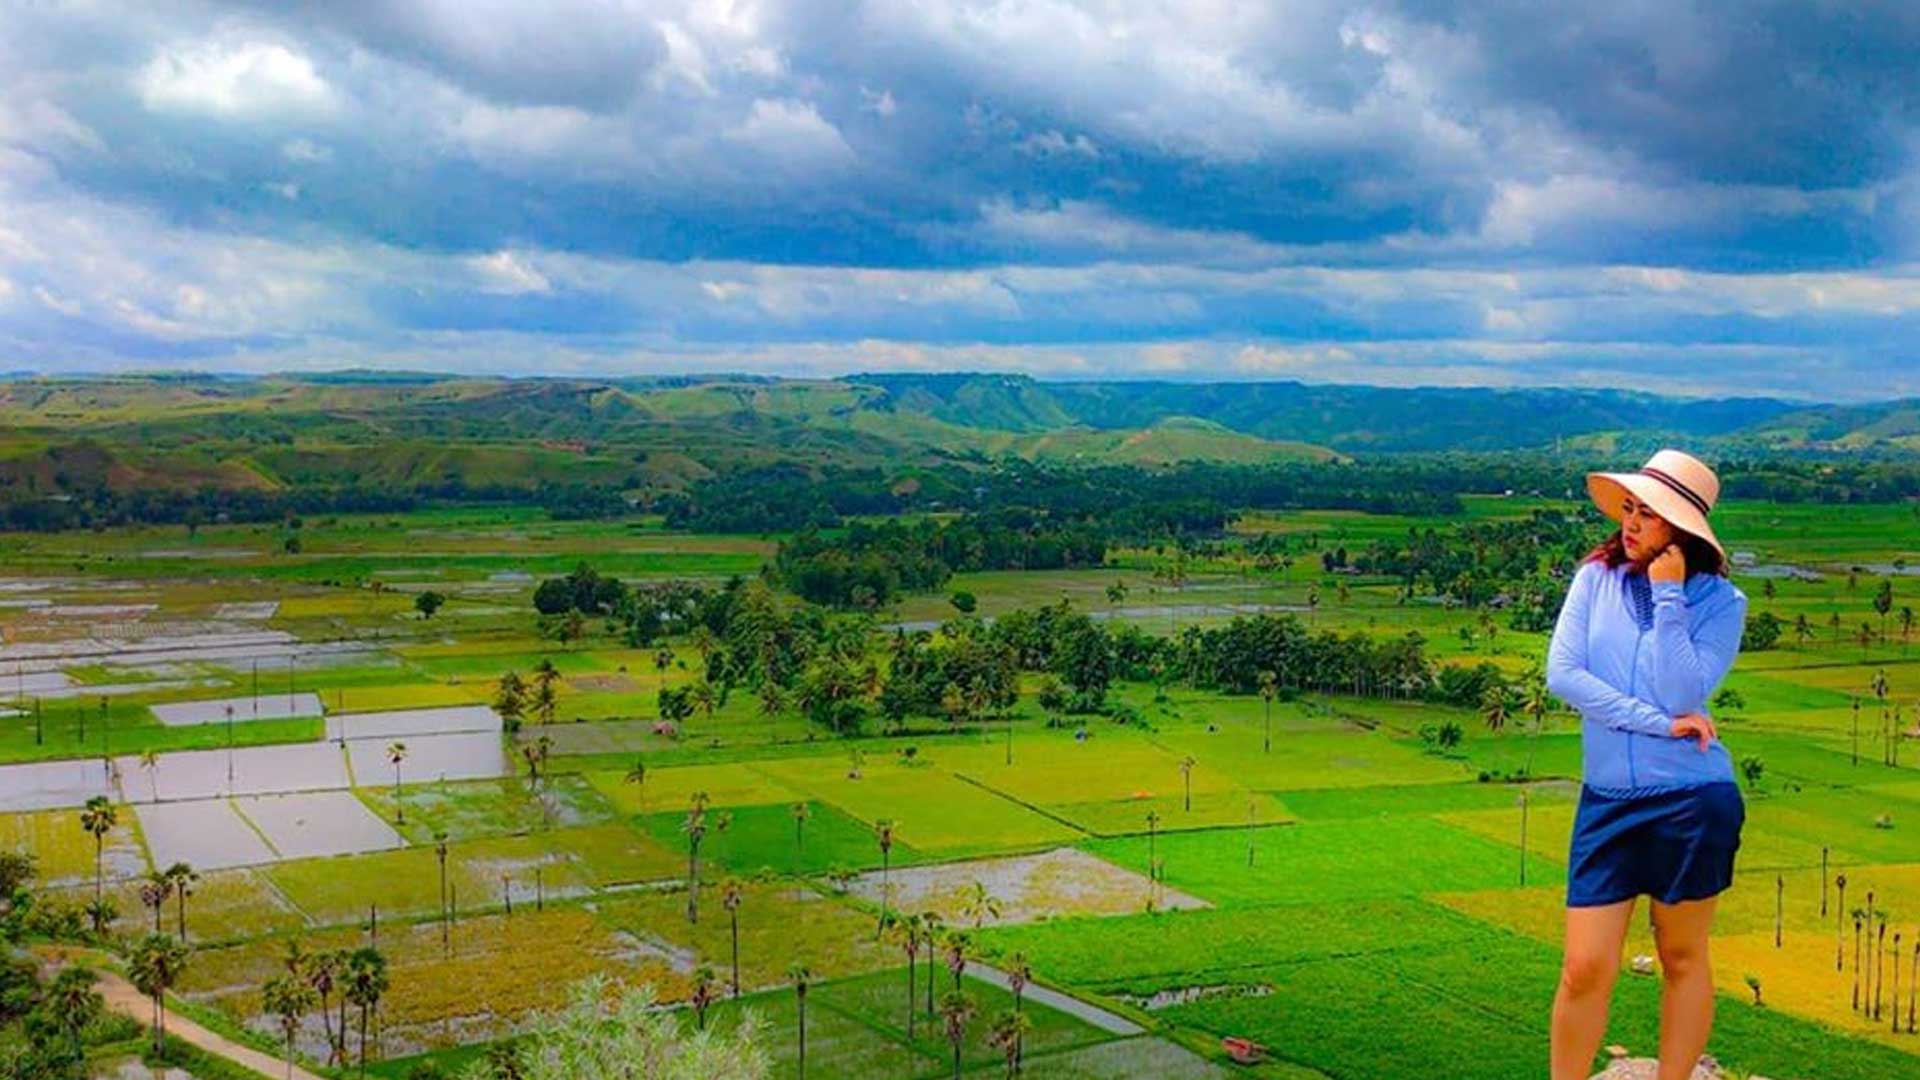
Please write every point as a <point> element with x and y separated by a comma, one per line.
<point>121,997</point>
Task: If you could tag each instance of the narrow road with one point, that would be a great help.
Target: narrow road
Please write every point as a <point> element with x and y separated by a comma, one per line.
<point>121,997</point>
<point>1072,1006</point>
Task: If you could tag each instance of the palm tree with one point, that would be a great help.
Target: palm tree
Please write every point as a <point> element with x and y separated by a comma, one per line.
<point>1019,974</point>
<point>397,753</point>
<point>1008,1032</point>
<point>153,966</point>
<point>1153,826</point>
<point>1496,704</point>
<point>440,855</point>
<point>154,892</point>
<point>883,833</point>
<point>545,699</point>
<point>705,699</point>
<point>703,980</point>
<point>931,934</point>
<point>800,811</point>
<point>772,700</point>
<point>182,875</point>
<point>732,892</point>
<point>1269,686</point>
<point>637,776</point>
<point>957,1008</point>
<point>510,701</point>
<point>798,974</point>
<point>906,931</point>
<point>979,904</point>
<point>1840,925</point>
<point>322,970</point>
<point>73,1005</point>
<point>695,827</point>
<point>288,997</point>
<point>98,819</point>
<point>150,761</point>
<point>1859,914</point>
<point>959,949</point>
<point>662,660</point>
<point>366,983</point>
<point>1186,775</point>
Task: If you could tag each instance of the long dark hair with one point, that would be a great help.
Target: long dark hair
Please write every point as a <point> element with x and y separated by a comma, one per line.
<point>1702,557</point>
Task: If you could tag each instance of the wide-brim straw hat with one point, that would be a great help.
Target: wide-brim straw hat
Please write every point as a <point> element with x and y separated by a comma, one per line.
<point>1676,485</point>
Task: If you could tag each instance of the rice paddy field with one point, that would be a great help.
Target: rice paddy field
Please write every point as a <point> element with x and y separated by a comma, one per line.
<point>1361,903</point>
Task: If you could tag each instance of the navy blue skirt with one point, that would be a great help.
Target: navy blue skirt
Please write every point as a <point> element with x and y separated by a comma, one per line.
<point>1671,845</point>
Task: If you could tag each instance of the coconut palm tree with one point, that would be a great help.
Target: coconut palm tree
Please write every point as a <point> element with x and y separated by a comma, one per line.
<point>1153,828</point>
<point>1496,704</point>
<point>98,819</point>
<point>288,997</point>
<point>1008,1032</point>
<point>1859,915</point>
<point>800,976</point>
<point>957,1009</point>
<point>732,892</point>
<point>1269,688</point>
<point>183,876</point>
<point>1186,777</point>
<point>397,753</point>
<point>366,984</point>
<point>979,904</point>
<point>695,826</point>
<point>153,966</point>
<point>703,984</point>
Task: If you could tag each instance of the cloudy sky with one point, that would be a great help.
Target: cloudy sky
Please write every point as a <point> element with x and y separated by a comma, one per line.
<point>1686,197</point>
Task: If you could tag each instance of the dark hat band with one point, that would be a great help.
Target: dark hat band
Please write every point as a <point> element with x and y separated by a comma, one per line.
<point>1679,488</point>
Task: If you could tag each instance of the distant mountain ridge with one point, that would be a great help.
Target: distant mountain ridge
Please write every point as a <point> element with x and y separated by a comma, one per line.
<point>179,431</point>
<point>1346,417</point>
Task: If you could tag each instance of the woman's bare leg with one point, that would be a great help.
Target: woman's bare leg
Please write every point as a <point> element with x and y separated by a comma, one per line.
<point>1595,937</point>
<point>1686,996</point>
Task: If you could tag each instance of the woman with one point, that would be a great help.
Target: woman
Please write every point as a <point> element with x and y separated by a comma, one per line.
<point>1649,628</point>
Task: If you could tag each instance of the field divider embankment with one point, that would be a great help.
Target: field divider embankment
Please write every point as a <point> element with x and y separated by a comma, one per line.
<point>1022,803</point>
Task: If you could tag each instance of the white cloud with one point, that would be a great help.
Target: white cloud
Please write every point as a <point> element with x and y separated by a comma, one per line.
<point>305,151</point>
<point>508,273</point>
<point>791,132</point>
<point>236,78</point>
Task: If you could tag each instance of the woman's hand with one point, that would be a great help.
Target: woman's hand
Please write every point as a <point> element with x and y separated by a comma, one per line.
<point>1669,565</point>
<point>1693,725</point>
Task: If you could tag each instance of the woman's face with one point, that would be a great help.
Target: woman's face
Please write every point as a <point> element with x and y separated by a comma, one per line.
<point>1645,533</point>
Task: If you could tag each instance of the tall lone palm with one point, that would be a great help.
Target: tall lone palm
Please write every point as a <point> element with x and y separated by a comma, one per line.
<point>397,753</point>
<point>801,977</point>
<point>883,834</point>
<point>801,812</point>
<point>695,827</point>
<point>637,776</point>
<point>732,892</point>
<point>1269,687</point>
<point>98,819</point>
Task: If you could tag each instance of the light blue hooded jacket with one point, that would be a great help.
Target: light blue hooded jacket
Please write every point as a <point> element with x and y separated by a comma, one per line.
<point>1629,684</point>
